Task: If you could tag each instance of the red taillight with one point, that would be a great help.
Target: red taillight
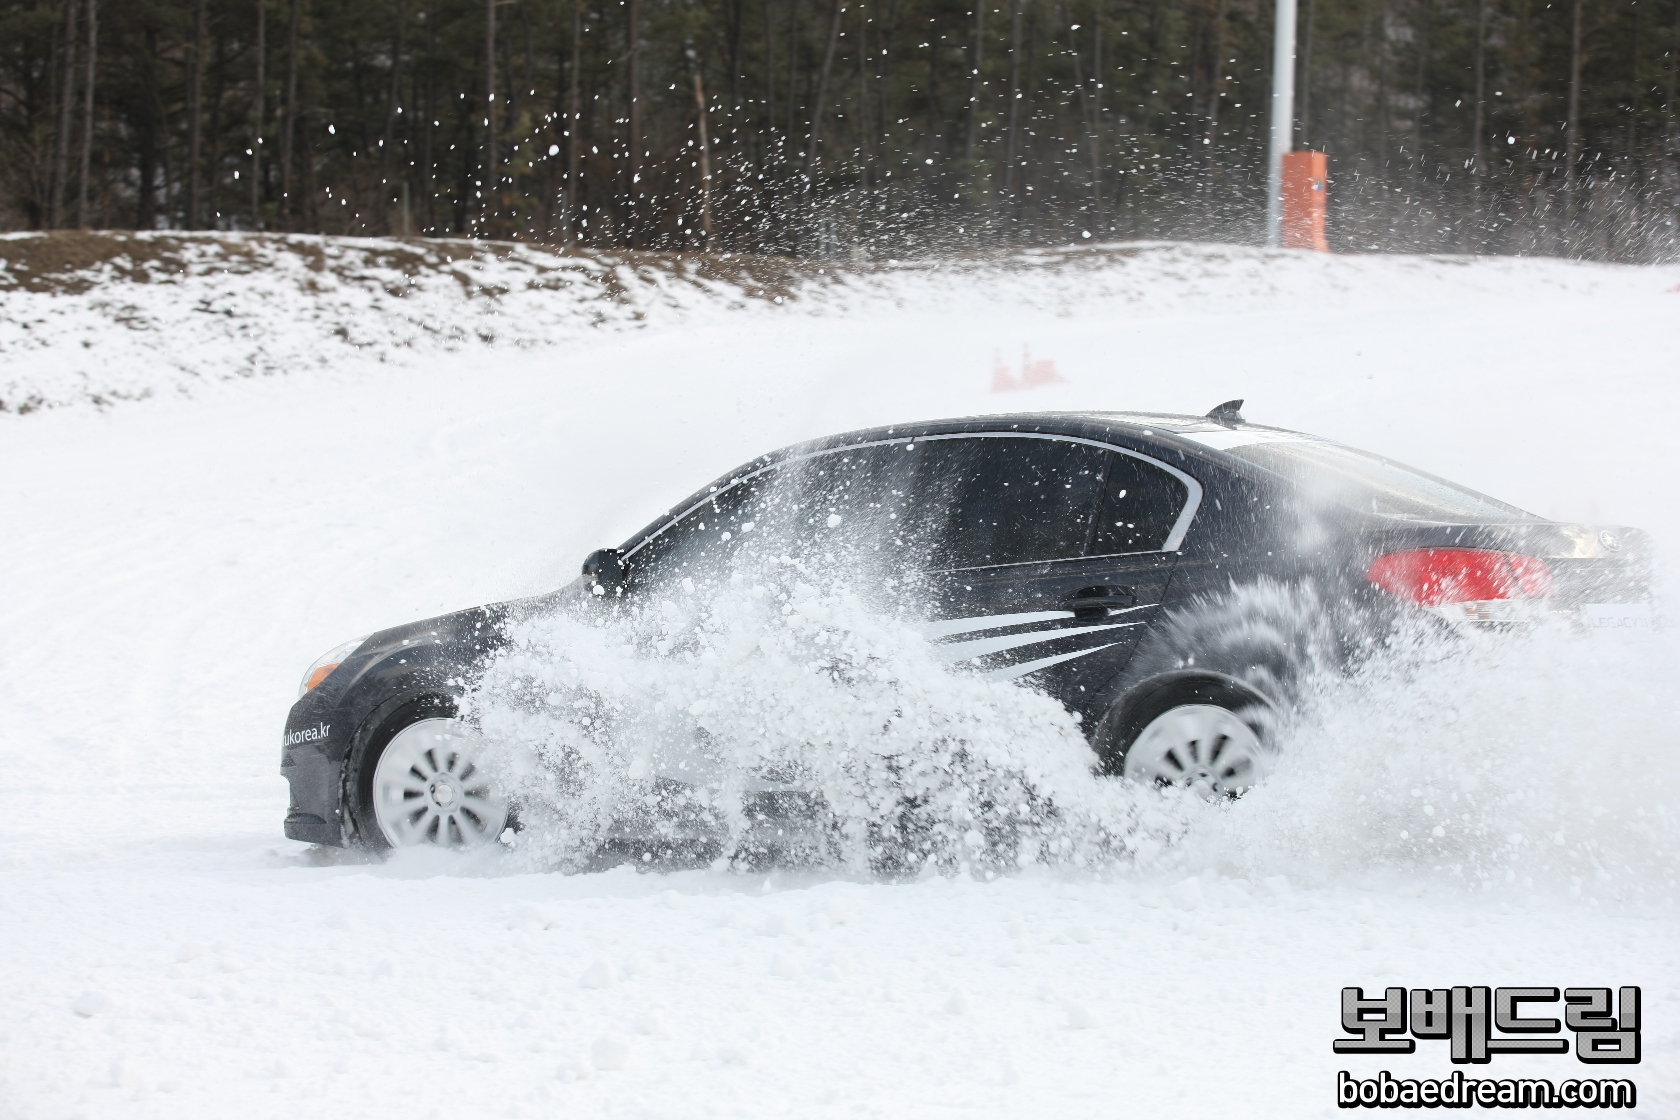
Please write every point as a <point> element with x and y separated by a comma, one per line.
<point>1437,577</point>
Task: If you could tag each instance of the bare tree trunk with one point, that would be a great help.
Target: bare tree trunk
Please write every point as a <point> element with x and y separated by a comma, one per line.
<point>574,109</point>
<point>87,115</point>
<point>1476,127</point>
<point>288,205</point>
<point>1671,135</point>
<point>1096,120</point>
<point>821,99</point>
<point>1634,94</point>
<point>1013,145</point>
<point>214,133</point>
<point>866,138</point>
<point>1087,102</point>
<point>705,156</point>
<point>393,102</point>
<point>978,61</point>
<point>1425,25</point>
<point>491,166</point>
<point>1382,95</point>
<point>195,113</point>
<point>310,189</point>
<point>66,115</point>
<point>1217,89</point>
<point>737,18</point>
<point>428,198</point>
<point>150,114</point>
<point>257,113</point>
<point>634,79</point>
<point>769,73</point>
<point>1572,127</point>
<point>1304,86</point>
<point>793,69</point>
<point>404,168</point>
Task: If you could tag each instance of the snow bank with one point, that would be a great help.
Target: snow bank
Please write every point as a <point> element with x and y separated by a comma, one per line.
<point>105,317</point>
<point>109,317</point>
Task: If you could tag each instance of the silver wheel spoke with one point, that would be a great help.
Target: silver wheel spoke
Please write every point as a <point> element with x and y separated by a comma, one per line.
<point>1198,746</point>
<point>428,788</point>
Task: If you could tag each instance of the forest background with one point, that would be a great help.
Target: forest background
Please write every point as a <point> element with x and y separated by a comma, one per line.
<point>842,129</point>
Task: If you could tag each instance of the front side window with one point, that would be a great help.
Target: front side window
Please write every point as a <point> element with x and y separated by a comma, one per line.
<point>931,504</point>
<point>836,508</point>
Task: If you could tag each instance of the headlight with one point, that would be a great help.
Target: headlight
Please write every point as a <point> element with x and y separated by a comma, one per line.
<point>326,663</point>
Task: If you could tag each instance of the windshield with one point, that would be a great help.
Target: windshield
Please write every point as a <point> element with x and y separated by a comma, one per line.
<point>1372,484</point>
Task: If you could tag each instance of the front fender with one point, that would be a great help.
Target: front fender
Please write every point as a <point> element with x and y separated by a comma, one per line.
<point>437,658</point>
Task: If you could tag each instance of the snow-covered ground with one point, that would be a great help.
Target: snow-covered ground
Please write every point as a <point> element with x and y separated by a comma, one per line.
<point>171,565</point>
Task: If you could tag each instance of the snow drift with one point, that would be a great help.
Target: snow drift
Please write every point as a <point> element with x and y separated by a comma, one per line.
<point>106,317</point>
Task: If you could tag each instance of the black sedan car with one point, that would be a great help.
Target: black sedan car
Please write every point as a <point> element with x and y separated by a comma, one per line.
<point>1167,578</point>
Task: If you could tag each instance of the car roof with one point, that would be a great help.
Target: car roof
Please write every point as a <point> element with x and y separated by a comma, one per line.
<point>1134,426</point>
<point>1148,431</point>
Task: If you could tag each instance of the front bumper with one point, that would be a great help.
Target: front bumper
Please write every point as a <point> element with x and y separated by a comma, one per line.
<point>313,747</point>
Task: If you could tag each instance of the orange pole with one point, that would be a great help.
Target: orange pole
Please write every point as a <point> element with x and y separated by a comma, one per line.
<point>1304,175</point>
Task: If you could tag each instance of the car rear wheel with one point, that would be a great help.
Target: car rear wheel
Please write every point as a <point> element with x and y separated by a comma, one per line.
<point>1203,747</point>
<point>422,782</point>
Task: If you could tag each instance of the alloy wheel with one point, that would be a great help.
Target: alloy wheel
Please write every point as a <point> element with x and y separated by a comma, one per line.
<point>429,788</point>
<point>1202,747</point>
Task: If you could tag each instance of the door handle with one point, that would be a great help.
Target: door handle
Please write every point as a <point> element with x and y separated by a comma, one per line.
<point>1092,604</point>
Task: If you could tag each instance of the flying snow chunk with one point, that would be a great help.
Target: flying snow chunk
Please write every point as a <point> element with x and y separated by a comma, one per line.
<point>89,1004</point>
<point>601,974</point>
<point>834,521</point>
<point>610,1052</point>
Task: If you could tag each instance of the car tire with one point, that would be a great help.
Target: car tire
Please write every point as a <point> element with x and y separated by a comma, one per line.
<point>1208,734</point>
<point>416,780</point>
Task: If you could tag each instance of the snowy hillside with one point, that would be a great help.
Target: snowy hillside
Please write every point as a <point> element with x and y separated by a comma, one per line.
<point>173,564</point>
<point>107,317</point>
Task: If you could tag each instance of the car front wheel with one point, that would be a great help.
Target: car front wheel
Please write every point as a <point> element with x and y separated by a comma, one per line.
<point>422,782</point>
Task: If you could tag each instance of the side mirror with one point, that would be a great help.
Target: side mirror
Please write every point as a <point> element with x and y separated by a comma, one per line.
<point>605,571</point>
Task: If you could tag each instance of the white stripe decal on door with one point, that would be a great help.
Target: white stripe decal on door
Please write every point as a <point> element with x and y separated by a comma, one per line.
<point>1010,672</point>
<point>964,651</point>
<point>987,622</point>
<point>951,626</point>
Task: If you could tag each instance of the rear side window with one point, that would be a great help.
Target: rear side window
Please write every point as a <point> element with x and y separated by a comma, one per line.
<point>1371,484</point>
<point>1141,504</point>
<point>1003,500</point>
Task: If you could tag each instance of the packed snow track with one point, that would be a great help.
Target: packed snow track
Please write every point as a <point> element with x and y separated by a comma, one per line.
<point>171,565</point>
